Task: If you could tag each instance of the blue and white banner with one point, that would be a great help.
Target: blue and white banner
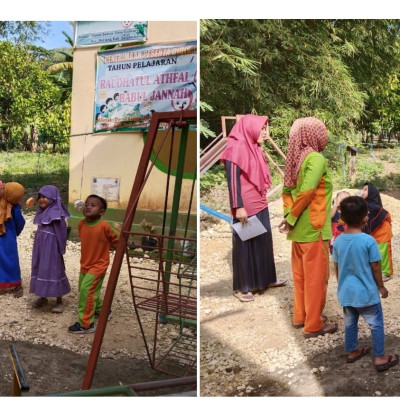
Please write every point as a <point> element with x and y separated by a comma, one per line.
<point>95,33</point>
<point>133,83</point>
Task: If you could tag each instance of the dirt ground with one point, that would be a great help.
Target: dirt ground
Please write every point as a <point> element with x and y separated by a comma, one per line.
<point>251,349</point>
<point>54,360</point>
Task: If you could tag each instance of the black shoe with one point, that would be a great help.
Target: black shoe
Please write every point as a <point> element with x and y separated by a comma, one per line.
<point>78,328</point>
<point>97,314</point>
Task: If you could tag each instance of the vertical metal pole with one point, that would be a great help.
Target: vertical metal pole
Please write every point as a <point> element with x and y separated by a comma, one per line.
<point>119,255</point>
<point>176,202</point>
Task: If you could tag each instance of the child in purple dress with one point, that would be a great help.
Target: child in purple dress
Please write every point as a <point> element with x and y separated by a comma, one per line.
<point>48,278</point>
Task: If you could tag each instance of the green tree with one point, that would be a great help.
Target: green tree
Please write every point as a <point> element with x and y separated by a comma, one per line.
<point>220,61</point>
<point>332,69</point>
<point>23,31</point>
<point>62,68</point>
<point>373,56</point>
<point>29,100</point>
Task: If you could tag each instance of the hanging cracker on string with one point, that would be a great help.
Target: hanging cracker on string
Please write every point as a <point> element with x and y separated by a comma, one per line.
<point>30,202</point>
<point>78,205</point>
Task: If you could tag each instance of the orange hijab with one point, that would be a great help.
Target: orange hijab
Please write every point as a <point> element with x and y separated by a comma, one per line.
<point>13,193</point>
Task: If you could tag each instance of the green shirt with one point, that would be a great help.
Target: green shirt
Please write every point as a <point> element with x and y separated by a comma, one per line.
<point>307,207</point>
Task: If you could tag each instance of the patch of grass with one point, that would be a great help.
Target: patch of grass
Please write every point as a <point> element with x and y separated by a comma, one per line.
<point>386,182</point>
<point>378,167</point>
<point>378,170</point>
<point>213,177</point>
<point>34,170</point>
<point>369,170</point>
<point>373,167</point>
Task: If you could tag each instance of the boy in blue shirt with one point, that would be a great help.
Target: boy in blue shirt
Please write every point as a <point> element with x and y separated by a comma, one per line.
<point>356,258</point>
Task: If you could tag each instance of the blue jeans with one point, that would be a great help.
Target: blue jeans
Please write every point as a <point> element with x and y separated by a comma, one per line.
<point>373,316</point>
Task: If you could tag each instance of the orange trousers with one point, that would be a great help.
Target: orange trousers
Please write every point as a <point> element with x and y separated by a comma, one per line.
<point>310,269</point>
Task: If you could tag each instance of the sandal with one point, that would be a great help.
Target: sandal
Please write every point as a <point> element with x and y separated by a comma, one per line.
<point>18,291</point>
<point>327,328</point>
<point>278,283</point>
<point>364,351</point>
<point>390,363</point>
<point>58,308</point>
<point>244,297</point>
<point>40,302</point>
<point>301,324</point>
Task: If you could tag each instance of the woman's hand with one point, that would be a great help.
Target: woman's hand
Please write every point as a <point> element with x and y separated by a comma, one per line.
<point>241,215</point>
<point>284,226</point>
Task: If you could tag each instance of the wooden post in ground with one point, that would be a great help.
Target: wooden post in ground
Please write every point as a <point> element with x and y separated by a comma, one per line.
<point>352,163</point>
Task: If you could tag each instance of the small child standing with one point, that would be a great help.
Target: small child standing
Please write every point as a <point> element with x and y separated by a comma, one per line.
<point>96,239</point>
<point>12,223</point>
<point>48,277</point>
<point>379,226</point>
<point>356,259</point>
<point>338,226</point>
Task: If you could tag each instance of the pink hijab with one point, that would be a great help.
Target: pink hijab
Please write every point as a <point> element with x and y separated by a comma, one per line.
<point>243,150</point>
<point>306,135</point>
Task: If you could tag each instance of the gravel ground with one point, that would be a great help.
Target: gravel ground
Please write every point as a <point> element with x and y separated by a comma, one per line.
<point>48,352</point>
<point>251,349</point>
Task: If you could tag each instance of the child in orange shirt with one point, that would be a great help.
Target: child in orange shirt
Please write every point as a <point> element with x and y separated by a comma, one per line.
<point>96,239</point>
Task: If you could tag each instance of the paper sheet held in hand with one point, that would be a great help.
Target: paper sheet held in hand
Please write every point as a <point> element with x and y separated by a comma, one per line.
<point>252,229</point>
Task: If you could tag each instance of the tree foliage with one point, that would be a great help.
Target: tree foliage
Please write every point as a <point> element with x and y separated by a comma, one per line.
<point>35,88</point>
<point>30,103</point>
<point>23,31</point>
<point>344,72</point>
<point>61,68</point>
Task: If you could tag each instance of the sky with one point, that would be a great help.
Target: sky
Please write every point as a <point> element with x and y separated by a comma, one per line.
<point>55,38</point>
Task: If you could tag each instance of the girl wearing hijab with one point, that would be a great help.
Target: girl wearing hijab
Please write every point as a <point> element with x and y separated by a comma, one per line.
<point>248,179</point>
<point>307,196</point>
<point>379,226</point>
<point>11,224</point>
<point>48,277</point>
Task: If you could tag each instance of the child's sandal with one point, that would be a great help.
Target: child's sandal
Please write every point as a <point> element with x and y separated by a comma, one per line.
<point>40,302</point>
<point>18,291</point>
<point>58,308</point>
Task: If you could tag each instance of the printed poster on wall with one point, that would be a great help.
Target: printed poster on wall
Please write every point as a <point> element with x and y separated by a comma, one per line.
<point>133,83</point>
<point>94,33</point>
<point>108,188</point>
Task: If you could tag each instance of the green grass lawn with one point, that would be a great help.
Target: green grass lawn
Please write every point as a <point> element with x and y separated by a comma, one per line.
<point>34,170</point>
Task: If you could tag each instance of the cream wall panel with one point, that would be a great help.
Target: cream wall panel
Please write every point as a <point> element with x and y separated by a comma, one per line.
<point>113,155</point>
